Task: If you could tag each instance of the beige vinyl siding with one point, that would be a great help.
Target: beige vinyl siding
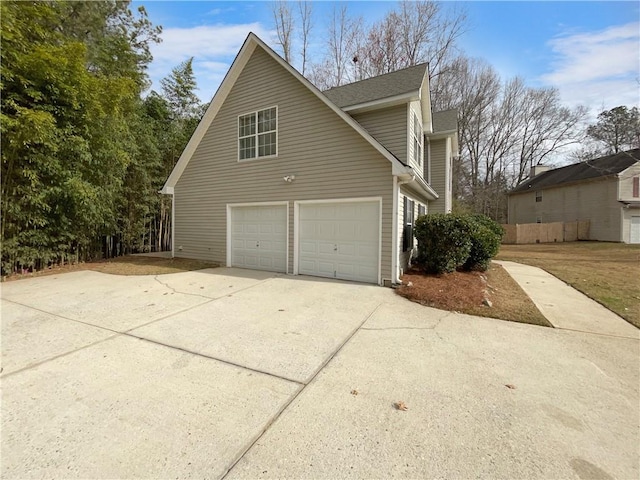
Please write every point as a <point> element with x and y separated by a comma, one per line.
<point>595,200</point>
<point>328,158</point>
<point>405,257</point>
<point>438,152</point>
<point>389,127</point>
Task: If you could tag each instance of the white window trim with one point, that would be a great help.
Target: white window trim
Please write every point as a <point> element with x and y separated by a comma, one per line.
<point>296,227</point>
<point>417,136</point>
<point>255,112</point>
<point>255,204</point>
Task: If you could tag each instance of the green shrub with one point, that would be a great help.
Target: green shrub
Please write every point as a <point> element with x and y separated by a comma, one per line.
<point>444,242</point>
<point>448,242</point>
<point>486,236</point>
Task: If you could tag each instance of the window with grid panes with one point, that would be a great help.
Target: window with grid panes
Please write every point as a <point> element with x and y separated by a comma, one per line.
<point>258,134</point>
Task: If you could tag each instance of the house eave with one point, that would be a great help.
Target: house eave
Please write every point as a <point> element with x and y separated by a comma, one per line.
<point>383,103</point>
<point>534,188</point>
<point>410,176</point>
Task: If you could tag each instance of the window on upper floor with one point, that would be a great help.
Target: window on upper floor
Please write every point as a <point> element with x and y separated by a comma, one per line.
<point>258,134</point>
<point>538,196</point>
<point>417,140</point>
<point>636,187</point>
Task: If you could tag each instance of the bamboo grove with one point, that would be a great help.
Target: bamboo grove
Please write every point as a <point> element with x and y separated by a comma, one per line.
<point>85,148</point>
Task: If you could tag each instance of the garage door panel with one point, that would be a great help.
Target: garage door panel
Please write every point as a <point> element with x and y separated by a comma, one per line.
<point>340,240</point>
<point>259,237</point>
<point>634,230</point>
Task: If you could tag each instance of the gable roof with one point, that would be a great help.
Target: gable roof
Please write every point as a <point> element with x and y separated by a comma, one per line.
<point>394,84</point>
<point>599,167</point>
<point>248,47</point>
<point>445,121</point>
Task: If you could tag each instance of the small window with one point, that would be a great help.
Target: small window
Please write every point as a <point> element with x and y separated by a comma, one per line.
<point>417,140</point>
<point>258,134</point>
<point>636,187</point>
<point>407,231</point>
<point>538,219</point>
<point>422,210</point>
<point>538,196</point>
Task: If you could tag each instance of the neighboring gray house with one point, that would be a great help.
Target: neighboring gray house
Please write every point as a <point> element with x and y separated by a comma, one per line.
<point>605,191</point>
<point>282,177</point>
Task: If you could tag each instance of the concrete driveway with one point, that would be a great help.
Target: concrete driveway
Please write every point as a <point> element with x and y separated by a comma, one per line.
<point>248,374</point>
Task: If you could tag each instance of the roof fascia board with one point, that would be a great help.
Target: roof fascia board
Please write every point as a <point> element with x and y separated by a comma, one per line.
<point>214,107</point>
<point>442,134</point>
<point>414,178</point>
<point>383,102</point>
<point>425,102</point>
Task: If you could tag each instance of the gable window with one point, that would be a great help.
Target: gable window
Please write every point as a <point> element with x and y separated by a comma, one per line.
<point>258,134</point>
<point>417,140</point>
<point>538,196</point>
<point>636,187</point>
<point>407,231</point>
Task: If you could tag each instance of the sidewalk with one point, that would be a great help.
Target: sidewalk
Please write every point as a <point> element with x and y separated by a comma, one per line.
<point>564,306</point>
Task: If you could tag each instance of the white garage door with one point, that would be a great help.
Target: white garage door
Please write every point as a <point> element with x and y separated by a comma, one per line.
<point>259,237</point>
<point>635,230</point>
<point>339,240</point>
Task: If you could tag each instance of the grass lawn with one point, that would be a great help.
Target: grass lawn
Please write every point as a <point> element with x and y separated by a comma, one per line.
<point>465,291</point>
<point>127,265</point>
<point>607,272</point>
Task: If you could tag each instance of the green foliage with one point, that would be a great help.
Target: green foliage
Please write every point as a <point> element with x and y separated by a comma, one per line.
<point>617,129</point>
<point>486,236</point>
<point>444,242</point>
<point>450,242</point>
<point>79,161</point>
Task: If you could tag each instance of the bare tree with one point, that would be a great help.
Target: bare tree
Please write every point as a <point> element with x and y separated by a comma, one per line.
<point>505,127</point>
<point>283,20</point>
<point>338,65</point>
<point>306,11</point>
<point>414,32</point>
<point>617,129</point>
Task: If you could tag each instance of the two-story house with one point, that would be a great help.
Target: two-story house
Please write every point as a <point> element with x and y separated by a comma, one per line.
<point>605,191</point>
<point>282,177</point>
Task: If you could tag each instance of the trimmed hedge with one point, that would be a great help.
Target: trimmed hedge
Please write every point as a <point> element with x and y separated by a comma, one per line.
<point>447,242</point>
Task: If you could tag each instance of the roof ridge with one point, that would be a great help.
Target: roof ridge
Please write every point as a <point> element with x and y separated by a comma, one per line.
<point>377,76</point>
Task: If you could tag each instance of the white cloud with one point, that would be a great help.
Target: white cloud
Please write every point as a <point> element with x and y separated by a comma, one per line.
<point>213,48</point>
<point>598,69</point>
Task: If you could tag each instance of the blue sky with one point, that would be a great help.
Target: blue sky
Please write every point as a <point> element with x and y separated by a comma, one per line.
<point>590,51</point>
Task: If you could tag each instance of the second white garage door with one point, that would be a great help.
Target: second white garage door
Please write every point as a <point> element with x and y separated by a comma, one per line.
<point>340,240</point>
<point>259,237</point>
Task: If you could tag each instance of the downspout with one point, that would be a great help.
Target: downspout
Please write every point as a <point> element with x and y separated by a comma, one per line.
<point>395,279</point>
<point>173,226</point>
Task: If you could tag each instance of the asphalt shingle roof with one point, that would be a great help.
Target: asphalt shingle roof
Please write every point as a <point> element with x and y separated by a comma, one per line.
<point>376,88</point>
<point>599,167</point>
<point>445,121</point>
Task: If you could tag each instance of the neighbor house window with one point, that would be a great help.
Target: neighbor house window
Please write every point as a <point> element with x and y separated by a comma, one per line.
<point>417,140</point>
<point>407,231</point>
<point>636,187</point>
<point>538,196</point>
<point>258,134</point>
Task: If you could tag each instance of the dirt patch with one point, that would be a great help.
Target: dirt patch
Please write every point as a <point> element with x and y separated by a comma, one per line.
<point>467,292</point>
<point>127,265</point>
